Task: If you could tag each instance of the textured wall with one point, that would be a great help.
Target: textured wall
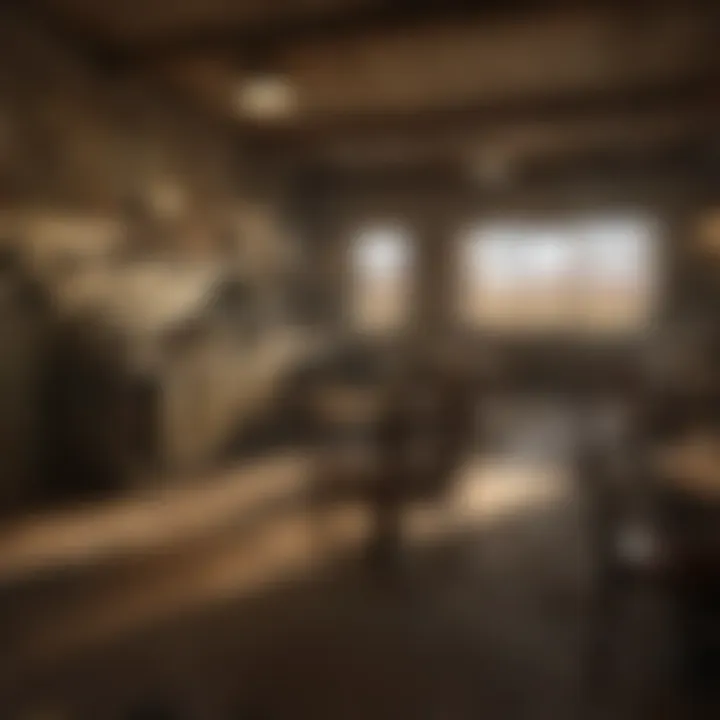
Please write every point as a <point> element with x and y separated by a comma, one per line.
<point>78,149</point>
<point>73,137</point>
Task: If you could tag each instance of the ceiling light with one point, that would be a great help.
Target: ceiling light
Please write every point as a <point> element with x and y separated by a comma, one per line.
<point>492,168</point>
<point>265,97</point>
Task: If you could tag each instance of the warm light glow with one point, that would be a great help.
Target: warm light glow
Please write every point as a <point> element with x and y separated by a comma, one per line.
<point>265,97</point>
<point>381,264</point>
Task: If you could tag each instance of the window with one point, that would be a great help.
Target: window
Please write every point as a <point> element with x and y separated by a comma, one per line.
<point>381,267</point>
<point>584,275</point>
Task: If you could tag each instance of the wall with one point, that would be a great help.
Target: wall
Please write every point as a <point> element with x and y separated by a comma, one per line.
<point>436,215</point>
<point>95,164</point>
<point>75,138</point>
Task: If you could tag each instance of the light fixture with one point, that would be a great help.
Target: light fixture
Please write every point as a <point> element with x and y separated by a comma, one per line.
<point>492,167</point>
<point>265,97</point>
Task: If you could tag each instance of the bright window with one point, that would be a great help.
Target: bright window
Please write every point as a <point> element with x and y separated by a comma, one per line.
<point>597,274</point>
<point>381,279</point>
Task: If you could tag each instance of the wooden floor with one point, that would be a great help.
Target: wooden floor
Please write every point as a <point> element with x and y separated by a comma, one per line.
<point>486,615</point>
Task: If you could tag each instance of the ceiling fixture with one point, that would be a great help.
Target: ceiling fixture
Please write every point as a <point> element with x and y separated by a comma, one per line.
<point>265,97</point>
<point>493,166</point>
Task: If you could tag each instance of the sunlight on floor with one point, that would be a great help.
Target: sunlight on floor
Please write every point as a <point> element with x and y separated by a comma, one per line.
<point>489,490</point>
<point>290,545</point>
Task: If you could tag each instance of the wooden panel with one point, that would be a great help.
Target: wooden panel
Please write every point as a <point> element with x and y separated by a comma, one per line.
<point>453,74</point>
<point>143,20</point>
<point>556,54</point>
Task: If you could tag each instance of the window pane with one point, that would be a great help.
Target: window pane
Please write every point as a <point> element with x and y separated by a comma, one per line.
<point>618,272</point>
<point>592,274</point>
<point>381,279</point>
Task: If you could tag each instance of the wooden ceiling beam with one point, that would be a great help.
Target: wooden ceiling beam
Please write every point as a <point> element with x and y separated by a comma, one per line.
<point>74,33</point>
<point>360,20</point>
<point>683,166</point>
<point>695,99</point>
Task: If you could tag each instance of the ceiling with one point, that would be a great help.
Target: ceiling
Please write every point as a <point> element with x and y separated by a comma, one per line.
<point>379,81</point>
